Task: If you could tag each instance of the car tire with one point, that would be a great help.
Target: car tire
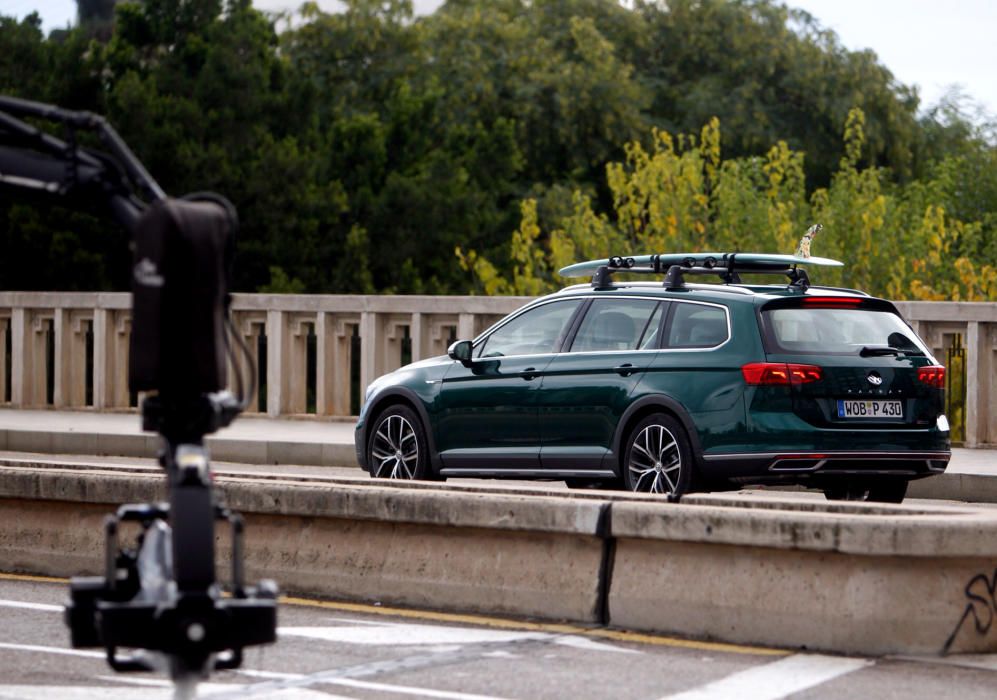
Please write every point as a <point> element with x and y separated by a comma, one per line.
<point>842,492</point>
<point>397,447</point>
<point>888,491</point>
<point>880,491</point>
<point>658,458</point>
<point>602,484</point>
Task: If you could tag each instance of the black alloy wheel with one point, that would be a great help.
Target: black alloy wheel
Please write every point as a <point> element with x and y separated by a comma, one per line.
<point>658,458</point>
<point>397,447</point>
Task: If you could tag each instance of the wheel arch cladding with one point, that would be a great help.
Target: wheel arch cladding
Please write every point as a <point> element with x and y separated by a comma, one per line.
<point>639,410</point>
<point>402,396</point>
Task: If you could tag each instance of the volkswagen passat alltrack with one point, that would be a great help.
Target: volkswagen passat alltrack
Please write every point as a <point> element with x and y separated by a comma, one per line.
<point>671,388</point>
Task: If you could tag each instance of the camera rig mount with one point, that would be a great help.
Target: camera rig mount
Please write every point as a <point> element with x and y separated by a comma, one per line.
<point>159,599</point>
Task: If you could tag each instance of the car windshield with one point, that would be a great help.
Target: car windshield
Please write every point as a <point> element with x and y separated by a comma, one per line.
<point>823,331</point>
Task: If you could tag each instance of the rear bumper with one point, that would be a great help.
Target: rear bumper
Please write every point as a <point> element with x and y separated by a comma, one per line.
<point>802,467</point>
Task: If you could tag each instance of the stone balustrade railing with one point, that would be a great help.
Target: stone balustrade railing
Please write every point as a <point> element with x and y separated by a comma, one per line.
<point>316,353</point>
<point>313,353</point>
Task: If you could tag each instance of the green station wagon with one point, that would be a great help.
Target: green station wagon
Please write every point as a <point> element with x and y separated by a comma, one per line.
<point>671,387</point>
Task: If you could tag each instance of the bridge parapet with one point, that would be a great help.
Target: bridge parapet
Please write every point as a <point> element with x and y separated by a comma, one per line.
<point>316,353</point>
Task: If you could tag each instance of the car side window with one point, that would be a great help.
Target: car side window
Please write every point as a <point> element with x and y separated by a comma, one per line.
<point>618,324</point>
<point>533,332</point>
<point>697,326</point>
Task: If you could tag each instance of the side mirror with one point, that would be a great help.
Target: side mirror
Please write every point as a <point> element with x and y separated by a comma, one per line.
<point>461,351</point>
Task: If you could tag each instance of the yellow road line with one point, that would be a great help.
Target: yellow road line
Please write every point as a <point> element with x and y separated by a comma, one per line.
<point>493,622</point>
<point>553,628</point>
<point>34,579</point>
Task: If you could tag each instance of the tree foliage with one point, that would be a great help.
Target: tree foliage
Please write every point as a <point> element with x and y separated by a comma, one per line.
<point>363,148</point>
<point>897,242</point>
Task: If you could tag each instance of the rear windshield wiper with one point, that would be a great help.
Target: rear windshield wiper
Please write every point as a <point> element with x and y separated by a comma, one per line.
<point>882,350</point>
<point>879,351</point>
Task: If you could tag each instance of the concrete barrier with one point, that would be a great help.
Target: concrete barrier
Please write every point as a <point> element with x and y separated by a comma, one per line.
<point>488,552</point>
<point>953,486</point>
<point>846,578</point>
<point>855,579</point>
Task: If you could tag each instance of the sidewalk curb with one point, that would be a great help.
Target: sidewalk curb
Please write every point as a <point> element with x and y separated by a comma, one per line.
<point>320,454</point>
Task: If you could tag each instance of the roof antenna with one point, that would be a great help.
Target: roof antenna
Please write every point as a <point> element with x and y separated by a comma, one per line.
<point>803,250</point>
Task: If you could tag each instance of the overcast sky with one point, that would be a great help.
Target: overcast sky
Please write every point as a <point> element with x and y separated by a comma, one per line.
<point>929,43</point>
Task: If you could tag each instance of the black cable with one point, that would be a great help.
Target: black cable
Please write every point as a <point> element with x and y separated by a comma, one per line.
<point>250,366</point>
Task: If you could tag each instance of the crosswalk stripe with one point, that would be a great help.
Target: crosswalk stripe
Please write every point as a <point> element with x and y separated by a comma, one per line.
<point>775,680</point>
<point>52,650</point>
<point>30,606</point>
<point>370,685</point>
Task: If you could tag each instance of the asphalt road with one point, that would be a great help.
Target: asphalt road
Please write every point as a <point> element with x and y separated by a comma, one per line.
<point>329,650</point>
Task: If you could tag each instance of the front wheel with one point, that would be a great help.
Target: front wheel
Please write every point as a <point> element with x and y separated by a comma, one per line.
<point>603,484</point>
<point>658,458</point>
<point>397,448</point>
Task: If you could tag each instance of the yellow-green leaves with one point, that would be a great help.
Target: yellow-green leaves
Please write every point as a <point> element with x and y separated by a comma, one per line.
<point>678,194</point>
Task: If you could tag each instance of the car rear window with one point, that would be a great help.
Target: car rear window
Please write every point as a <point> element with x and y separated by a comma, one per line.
<point>837,331</point>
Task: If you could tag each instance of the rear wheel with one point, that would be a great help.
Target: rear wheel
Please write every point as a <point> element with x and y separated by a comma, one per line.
<point>658,458</point>
<point>888,491</point>
<point>880,491</point>
<point>397,448</point>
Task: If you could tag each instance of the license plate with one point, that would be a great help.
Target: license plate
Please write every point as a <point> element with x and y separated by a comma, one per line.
<point>883,410</point>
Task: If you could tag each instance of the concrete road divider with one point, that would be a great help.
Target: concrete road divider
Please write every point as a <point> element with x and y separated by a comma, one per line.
<point>423,547</point>
<point>846,578</point>
<point>849,578</point>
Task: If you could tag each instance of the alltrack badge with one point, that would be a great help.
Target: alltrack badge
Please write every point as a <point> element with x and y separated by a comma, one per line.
<point>874,379</point>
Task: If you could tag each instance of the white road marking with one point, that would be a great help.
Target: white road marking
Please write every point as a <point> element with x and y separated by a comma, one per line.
<point>368,685</point>
<point>52,650</point>
<point>395,635</point>
<point>151,682</point>
<point>30,606</point>
<point>442,637</point>
<point>81,692</point>
<point>131,692</point>
<point>406,690</point>
<point>348,621</point>
<point>270,675</point>
<point>589,644</point>
<point>985,662</point>
<point>500,655</point>
<point>775,680</point>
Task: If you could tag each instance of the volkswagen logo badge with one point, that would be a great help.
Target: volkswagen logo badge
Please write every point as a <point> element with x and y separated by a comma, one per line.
<point>874,378</point>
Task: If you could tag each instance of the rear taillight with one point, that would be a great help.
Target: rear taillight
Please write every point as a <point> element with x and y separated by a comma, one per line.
<point>932,375</point>
<point>776,373</point>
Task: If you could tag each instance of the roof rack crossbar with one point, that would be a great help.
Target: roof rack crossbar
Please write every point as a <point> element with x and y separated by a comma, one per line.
<point>726,268</point>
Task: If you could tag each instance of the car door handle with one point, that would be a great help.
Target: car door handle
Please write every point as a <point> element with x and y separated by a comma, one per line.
<point>529,373</point>
<point>626,370</point>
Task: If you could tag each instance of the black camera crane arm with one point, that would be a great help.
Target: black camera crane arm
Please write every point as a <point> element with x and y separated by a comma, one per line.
<point>38,163</point>
<point>180,294</point>
<point>35,160</point>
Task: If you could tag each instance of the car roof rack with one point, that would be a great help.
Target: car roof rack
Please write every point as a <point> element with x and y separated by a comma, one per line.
<point>726,266</point>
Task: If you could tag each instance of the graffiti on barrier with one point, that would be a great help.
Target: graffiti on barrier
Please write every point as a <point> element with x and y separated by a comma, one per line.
<point>981,607</point>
